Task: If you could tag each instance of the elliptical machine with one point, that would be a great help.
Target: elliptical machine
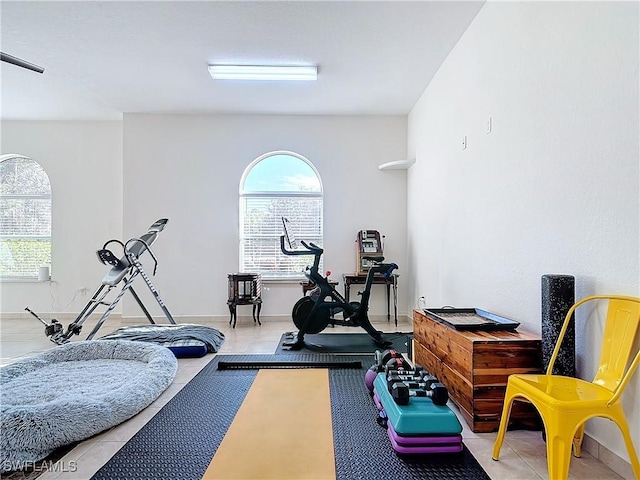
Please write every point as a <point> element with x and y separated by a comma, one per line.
<point>312,314</point>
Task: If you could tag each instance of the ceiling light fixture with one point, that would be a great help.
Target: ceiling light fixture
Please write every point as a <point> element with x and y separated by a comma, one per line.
<point>263,72</point>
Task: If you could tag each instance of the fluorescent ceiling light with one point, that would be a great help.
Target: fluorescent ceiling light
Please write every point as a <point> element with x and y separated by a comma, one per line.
<point>260,72</point>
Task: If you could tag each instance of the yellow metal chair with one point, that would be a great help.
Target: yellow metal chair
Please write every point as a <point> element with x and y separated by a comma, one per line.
<point>566,403</point>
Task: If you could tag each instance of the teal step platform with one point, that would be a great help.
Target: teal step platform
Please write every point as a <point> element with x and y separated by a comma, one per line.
<point>420,417</point>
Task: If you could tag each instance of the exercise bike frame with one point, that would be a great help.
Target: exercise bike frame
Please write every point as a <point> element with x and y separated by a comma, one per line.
<point>319,317</point>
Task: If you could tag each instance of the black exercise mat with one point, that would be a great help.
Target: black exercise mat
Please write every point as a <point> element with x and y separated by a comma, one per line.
<point>181,439</point>
<point>344,343</point>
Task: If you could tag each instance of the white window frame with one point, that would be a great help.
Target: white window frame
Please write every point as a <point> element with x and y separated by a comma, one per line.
<point>294,265</point>
<point>28,196</point>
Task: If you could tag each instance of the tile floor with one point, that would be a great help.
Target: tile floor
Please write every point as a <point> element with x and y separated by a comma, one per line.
<point>522,456</point>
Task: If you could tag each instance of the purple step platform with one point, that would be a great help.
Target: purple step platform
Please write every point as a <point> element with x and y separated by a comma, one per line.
<point>421,445</point>
<point>376,401</point>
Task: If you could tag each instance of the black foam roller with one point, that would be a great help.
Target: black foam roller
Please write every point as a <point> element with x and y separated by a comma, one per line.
<point>558,296</point>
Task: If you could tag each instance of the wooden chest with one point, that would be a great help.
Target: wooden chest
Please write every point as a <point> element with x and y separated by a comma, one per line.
<point>474,366</point>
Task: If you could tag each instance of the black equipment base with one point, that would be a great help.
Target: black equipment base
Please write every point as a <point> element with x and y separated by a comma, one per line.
<point>346,343</point>
<point>237,365</point>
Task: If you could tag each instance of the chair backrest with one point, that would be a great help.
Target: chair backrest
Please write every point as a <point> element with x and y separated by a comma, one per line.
<point>623,319</point>
<point>621,325</point>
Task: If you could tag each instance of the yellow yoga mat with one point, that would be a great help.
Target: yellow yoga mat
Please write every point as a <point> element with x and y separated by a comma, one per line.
<point>281,431</point>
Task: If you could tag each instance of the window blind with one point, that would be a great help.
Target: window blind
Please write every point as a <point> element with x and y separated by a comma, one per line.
<point>261,223</point>
<point>25,217</point>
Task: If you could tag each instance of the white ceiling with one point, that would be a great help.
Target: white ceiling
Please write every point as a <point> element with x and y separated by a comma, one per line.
<point>105,58</point>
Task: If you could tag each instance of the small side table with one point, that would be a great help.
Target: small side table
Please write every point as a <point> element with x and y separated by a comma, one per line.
<point>392,286</point>
<point>244,289</point>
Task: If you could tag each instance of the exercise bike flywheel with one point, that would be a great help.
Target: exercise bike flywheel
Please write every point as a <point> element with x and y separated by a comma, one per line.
<point>317,322</point>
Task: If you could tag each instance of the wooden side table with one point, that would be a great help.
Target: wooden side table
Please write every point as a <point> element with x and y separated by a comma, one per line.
<point>244,289</point>
<point>361,278</point>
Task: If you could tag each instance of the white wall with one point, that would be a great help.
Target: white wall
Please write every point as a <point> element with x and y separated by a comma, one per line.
<point>84,164</point>
<point>554,188</point>
<point>188,169</point>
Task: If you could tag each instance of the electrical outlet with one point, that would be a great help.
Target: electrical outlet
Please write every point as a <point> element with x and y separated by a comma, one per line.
<point>422,302</point>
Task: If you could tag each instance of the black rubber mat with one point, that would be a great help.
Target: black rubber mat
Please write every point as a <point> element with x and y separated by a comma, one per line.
<point>345,343</point>
<point>180,440</point>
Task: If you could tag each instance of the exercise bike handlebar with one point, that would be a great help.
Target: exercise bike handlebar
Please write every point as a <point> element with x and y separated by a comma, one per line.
<point>310,248</point>
<point>387,269</point>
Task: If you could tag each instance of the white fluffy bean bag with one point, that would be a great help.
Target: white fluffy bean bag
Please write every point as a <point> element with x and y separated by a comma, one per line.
<point>74,391</point>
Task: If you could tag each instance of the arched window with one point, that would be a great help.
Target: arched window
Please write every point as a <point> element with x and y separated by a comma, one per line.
<point>275,185</point>
<point>25,217</point>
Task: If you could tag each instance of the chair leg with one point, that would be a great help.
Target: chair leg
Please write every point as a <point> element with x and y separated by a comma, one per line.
<point>558,454</point>
<point>257,306</point>
<point>577,441</point>
<point>233,313</point>
<point>633,457</point>
<point>504,422</point>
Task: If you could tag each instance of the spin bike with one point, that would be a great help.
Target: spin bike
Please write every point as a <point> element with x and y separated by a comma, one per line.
<point>312,314</point>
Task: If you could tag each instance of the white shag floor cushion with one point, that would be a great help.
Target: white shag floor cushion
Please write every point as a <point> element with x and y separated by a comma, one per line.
<point>74,391</point>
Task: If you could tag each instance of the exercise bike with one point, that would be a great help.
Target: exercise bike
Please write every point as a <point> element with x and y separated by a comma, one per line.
<point>312,314</point>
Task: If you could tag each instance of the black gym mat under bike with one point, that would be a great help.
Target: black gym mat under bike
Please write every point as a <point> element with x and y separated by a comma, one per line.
<point>181,439</point>
<point>345,343</point>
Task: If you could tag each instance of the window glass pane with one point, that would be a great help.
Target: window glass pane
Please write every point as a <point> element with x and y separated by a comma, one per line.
<point>282,173</point>
<point>23,257</point>
<point>23,176</point>
<point>25,217</point>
